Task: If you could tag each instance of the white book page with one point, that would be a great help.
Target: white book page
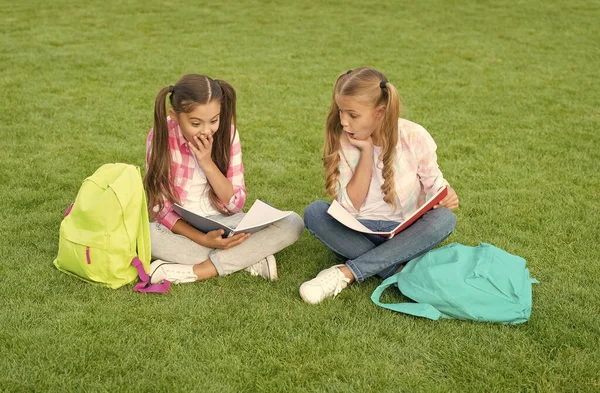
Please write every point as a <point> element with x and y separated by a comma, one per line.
<point>260,215</point>
<point>203,224</point>
<point>339,213</point>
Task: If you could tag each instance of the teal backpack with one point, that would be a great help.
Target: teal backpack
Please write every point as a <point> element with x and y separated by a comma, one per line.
<point>105,234</point>
<point>482,283</point>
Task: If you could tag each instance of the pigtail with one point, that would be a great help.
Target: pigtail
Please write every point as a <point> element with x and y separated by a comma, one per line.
<point>157,181</point>
<point>331,155</point>
<point>223,137</point>
<point>389,133</point>
<point>331,148</point>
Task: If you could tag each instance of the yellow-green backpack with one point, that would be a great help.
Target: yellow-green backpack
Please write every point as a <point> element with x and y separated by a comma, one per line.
<point>105,235</point>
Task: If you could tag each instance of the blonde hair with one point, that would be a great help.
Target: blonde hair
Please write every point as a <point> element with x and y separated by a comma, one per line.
<point>369,87</point>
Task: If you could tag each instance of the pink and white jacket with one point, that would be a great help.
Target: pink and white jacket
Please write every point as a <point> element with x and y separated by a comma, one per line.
<point>416,172</point>
<point>182,170</point>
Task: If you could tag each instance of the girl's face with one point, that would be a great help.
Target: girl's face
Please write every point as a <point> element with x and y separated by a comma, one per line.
<point>358,120</point>
<point>202,120</point>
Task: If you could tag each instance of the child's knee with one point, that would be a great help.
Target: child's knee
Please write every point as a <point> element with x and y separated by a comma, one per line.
<point>294,225</point>
<point>314,212</point>
<point>446,220</point>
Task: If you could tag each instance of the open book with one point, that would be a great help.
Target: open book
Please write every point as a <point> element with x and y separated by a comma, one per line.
<point>339,213</point>
<point>258,217</point>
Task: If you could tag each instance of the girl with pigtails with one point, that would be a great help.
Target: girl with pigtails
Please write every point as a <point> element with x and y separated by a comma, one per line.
<point>194,159</point>
<point>380,168</point>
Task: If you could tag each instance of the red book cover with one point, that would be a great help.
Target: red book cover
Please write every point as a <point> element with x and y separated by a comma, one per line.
<point>441,194</point>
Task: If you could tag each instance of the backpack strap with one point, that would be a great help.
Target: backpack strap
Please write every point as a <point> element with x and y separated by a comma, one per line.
<point>144,284</point>
<point>416,309</point>
<point>143,247</point>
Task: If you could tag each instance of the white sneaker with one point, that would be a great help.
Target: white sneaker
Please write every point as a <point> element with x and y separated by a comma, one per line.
<point>266,268</point>
<point>329,282</point>
<point>174,272</point>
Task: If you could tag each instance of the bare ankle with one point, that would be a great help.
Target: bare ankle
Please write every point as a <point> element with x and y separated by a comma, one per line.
<point>347,273</point>
<point>205,270</point>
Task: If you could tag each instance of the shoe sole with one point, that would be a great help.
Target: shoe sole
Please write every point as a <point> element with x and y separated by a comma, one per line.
<point>272,265</point>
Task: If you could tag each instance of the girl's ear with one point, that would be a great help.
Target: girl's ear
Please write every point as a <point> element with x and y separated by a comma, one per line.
<point>380,112</point>
<point>173,115</point>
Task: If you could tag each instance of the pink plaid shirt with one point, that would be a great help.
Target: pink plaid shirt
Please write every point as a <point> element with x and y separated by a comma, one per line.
<point>416,172</point>
<point>183,167</point>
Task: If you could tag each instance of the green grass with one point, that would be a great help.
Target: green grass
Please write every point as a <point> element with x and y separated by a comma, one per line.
<point>507,88</point>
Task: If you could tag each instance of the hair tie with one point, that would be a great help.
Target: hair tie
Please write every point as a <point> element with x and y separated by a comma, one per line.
<point>171,89</point>
<point>349,71</point>
<point>383,84</point>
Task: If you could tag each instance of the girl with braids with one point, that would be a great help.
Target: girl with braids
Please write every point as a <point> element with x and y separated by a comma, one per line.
<point>194,159</point>
<point>380,168</point>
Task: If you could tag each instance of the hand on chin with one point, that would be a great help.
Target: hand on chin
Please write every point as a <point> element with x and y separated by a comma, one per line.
<point>361,144</point>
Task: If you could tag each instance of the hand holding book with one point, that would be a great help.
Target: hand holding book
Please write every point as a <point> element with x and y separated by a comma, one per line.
<point>450,201</point>
<point>215,239</point>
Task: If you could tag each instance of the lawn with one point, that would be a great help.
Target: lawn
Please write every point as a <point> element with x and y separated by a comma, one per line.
<point>507,89</point>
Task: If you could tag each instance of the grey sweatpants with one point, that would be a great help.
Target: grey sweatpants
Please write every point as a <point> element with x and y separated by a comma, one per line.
<point>171,247</point>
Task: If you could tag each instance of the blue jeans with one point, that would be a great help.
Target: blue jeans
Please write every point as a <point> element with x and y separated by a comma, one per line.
<point>369,255</point>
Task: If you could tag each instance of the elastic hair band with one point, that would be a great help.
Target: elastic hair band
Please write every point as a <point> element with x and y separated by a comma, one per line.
<point>349,71</point>
<point>171,89</point>
<point>383,84</point>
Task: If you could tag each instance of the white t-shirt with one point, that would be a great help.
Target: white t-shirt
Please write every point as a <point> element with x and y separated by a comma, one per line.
<point>197,199</point>
<point>374,207</point>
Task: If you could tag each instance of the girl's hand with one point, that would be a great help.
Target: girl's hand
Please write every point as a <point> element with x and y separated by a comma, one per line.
<point>202,148</point>
<point>213,239</point>
<point>450,201</point>
<point>361,144</point>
